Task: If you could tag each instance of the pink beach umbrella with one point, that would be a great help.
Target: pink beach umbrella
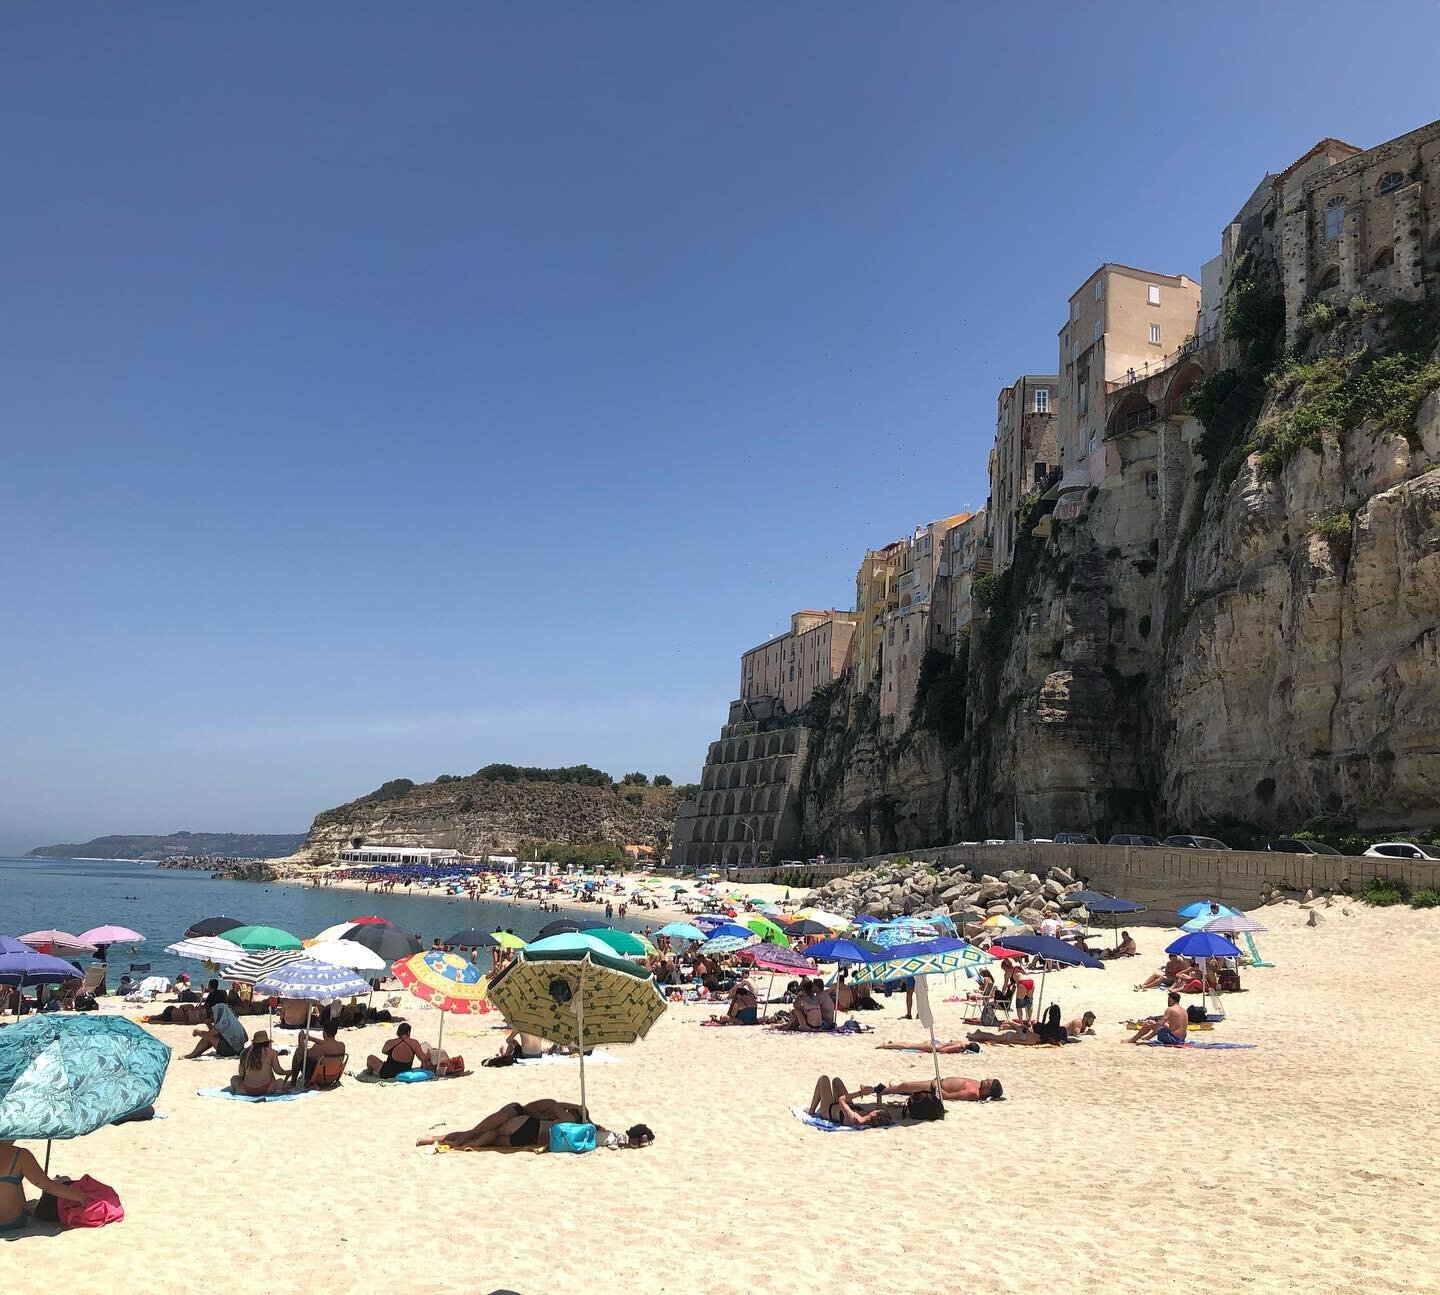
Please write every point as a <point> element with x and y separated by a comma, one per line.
<point>56,942</point>
<point>111,935</point>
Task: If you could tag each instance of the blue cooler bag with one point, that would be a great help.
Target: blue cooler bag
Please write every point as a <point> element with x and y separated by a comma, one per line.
<point>572,1137</point>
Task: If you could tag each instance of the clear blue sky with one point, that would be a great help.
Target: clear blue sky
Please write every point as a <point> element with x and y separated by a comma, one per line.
<point>387,390</point>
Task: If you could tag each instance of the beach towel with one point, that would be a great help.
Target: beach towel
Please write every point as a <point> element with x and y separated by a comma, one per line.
<point>596,1058</point>
<point>407,1077</point>
<point>100,1206</point>
<point>1216,1045</point>
<point>443,1148</point>
<point>226,1095</point>
<point>815,1122</point>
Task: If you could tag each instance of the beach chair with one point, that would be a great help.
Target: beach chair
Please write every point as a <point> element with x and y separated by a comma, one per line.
<point>329,1071</point>
<point>94,982</point>
<point>138,966</point>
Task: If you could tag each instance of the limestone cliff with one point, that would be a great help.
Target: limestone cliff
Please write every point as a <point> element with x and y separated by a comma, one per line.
<point>1240,628</point>
<point>485,816</point>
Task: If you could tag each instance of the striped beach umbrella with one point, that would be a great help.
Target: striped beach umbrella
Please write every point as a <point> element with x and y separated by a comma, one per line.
<point>577,999</point>
<point>207,948</point>
<point>311,981</point>
<point>249,969</point>
<point>729,943</point>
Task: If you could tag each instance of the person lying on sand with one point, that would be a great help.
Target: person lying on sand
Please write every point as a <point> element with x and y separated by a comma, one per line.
<point>1081,1025</point>
<point>1168,1029</point>
<point>1125,949</point>
<point>944,1049</point>
<point>529,1125</point>
<point>831,1101</point>
<point>1175,968</point>
<point>1027,1034</point>
<point>260,1074</point>
<point>952,1089</point>
<point>400,1054</point>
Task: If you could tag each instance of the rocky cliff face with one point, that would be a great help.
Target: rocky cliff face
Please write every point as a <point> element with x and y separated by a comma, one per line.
<point>1274,661</point>
<point>476,816</point>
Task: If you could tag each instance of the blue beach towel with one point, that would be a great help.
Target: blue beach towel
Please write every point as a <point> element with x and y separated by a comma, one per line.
<point>1215,1046</point>
<point>815,1122</point>
<point>228,1096</point>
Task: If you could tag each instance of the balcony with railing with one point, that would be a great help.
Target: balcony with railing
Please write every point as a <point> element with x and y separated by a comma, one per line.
<point>1188,347</point>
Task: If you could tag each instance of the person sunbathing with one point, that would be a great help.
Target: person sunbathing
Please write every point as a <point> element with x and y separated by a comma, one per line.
<point>1168,1029</point>
<point>400,1054</point>
<point>260,1074</point>
<point>1125,949</point>
<point>1175,968</point>
<point>806,1013</point>
<point>1082,1025</point>
<point>529,1125</point>
<point>744,1007</point>
<point>944,1049</point>
<point>20,1167</point>
<point>831,1101</point>
<point>952,1089</point>
<point>1028,1034</point>
<point>310,1051</point>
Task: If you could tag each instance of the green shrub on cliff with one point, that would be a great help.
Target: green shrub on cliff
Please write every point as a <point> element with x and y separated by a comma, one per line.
<point>581,773</point>
<point>392,790</point>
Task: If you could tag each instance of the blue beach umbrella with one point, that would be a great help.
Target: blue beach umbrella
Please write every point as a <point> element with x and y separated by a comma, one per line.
<point>893,933</point>
<point>729,943</point>
<point>868,919</point>
<point>731,928</point>
<point>66,1076</point>
<point>1052,950</point>
<point>1203,906</point>
<point>710,920</point>
<point>845,950</point>
<point>681,931</point>
<point>1203,944</point>
<point>1098,902</point>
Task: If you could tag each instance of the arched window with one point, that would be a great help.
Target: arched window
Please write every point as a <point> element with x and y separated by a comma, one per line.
<point>1334,218</point>
<point>1385,256</point>
<point>1389,182</point>
<point>1329,277</point>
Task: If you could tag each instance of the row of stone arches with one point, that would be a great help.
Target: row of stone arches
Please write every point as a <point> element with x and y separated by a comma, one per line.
<point>757,747</point>
<point>723,856</point>
<point>753,774</point>
<point>737,829</point>
<point>744,801</point>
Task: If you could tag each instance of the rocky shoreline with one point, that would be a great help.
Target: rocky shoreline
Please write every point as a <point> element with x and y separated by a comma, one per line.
<point>911,889</point>
<point>223,869</point>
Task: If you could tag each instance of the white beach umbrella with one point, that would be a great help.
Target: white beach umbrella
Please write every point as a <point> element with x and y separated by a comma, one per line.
<point>346,953</point>
<point>1239,922</point>
<point>207,948</point>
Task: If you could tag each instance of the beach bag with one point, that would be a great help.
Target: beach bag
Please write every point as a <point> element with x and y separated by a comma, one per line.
<point>1195,1014</point>
<point>85,1003</point>
<point>987,1014</point>
<point>924,1106</point>
<point>1229,980</point>
<point>101,1205</point>
<point>577,1138</point>
<point>452,1066</point>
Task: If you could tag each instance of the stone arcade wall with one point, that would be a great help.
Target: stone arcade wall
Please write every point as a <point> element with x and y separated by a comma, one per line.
<point>1162,879</point>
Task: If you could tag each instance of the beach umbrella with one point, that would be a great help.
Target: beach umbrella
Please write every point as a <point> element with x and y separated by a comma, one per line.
<point>893,933</point>
<point>1003,951</point>
<point>709,920</point>
<point>681,931</point>
<point>207,948</point>
<point>26,966</point>
<point>625,943</point>
<point>729,943</point>
<point>249,969</point>
<point>577,999</point>
<point>1051,950</point>
<point>9,944</point>
<point>1203,906</point>
<point>733,929</point>
<point>766,929</point>
<point>59,944</point>
<point>472,938</point>
<point>846,950</point>
<point>335,932</point>
<point>778,959</point>
<point>831,921</point>
<point>508,940</point>
<point>311,981</point>
<point>98,935</point>
<point>212,926</point>
<point>346,953</point>
<point>384,938</point>
<point>570,942</point>
<point>1231,925</point>
<point>677,886</point>
<point>1204,945</point>
<point>558,927</point>
<point>1001,920</point>
<point>868,919</point>
<point>1096,901</point>
<point>445,981</point>
<point>257,938</point>
<point>66,1076</point>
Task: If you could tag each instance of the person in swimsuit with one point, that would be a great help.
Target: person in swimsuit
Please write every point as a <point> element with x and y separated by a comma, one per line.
<point>21,1166</point>
<point>952,1089</point>
<point>831,1101</point>
<point>744,1007</point>
<point>944,1049</point>
<point>1168,1029</point>
<point>529,1125</point>
<point>400,1054</point>
<point>226,1035</point>
<point>260,1073</point>
<point>310,1051</point>
<point>1125,949</point>
<point>1024,989</point>
<point>1175,968</point>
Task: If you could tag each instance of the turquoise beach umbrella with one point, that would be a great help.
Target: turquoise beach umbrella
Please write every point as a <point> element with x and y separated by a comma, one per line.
<point>254,938</point>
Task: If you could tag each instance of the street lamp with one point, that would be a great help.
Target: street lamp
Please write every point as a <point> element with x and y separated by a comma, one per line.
<point>755,840</point>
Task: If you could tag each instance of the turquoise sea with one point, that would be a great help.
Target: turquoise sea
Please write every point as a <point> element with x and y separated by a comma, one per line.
<point>76,894</point>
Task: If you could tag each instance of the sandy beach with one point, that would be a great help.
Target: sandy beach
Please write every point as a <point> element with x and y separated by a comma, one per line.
<point>1308,1162</point>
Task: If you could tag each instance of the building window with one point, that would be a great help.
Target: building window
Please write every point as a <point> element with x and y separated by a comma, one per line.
<point>1153,294</point>
<point>1042,400</point>
<point>1152,485</point>
<point>1154,334</point>
<point>1099,330</point>
<point>1093,439</point>
<point>1334,218</point>
<point>1040,470</point>
<point>1074,310</point>
<point>1390,182</point>
<point>1099,289</point>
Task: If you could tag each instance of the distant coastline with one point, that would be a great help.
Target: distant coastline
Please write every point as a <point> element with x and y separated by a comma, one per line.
<point>154,849</point>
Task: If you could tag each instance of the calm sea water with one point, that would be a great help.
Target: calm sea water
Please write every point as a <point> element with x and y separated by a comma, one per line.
<point>76,894</point>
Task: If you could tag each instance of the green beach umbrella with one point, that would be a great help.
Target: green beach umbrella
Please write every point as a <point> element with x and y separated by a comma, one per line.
<point>767,930</point>
<point>255,938</point>
<point>507,941</point>
<point>577,998</point>
<point>625,943</point>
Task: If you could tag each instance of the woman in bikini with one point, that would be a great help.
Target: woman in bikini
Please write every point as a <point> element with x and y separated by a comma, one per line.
<point>831,1101</point>
<point>261,1074</point>
<point>529,1125</point>
<point>21,1166</point>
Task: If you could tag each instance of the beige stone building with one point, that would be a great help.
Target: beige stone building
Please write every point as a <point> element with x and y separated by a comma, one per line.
<point>1025,450</point>
<point>874,597</point>
<point>809,655</point>
<point>1123,324</point>
<point>968,554</point>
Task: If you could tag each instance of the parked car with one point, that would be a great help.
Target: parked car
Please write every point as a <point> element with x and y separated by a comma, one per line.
<point>1132,838</point>
<point>1403,850</point>
<point>1293,845</point>
<point>1041,840</point>
<point>995,840</point>
<point>1075,838</point>
<point>1186,842</point>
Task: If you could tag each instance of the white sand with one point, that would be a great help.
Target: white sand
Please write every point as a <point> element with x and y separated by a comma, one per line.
<point>1309,1164</point>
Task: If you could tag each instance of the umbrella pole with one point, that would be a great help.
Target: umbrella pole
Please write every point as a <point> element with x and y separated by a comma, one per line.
<point>580,1016</point>
<point>439,1043</point>
<point>47,1157</point>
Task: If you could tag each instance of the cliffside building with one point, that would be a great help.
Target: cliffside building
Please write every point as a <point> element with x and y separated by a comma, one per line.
<point>1124,324</point>
<point>1025,449</point>
<point>967,555</point>
<point>811,654</point>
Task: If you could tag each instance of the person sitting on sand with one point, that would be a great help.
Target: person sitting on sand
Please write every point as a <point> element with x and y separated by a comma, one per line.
<point>806,1013</point>
<point>952,1089</point>
<point>260,1073</point>
<point>400,1054</point>
<point>225,1035</point>
<point>294,1013</point>
<point>744,1007</point>
<point>1125,949</point>
<point>827,1004</point>
<point>1175,968</point>
<point>20,1166</point>
<point>1168,1029</point>
<point>529,1125</point>
<point>831,1101</point>
<point>310,1051</point>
